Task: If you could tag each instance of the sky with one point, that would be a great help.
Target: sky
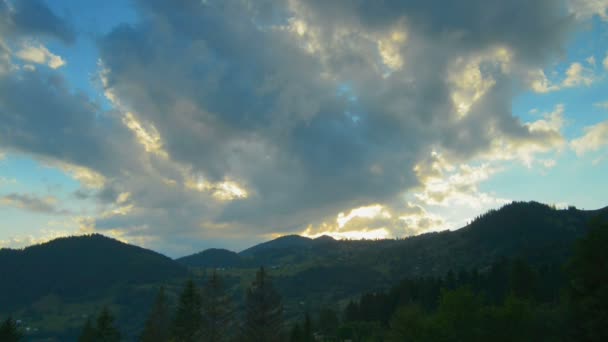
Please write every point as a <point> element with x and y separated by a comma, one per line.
<point>184,125</point>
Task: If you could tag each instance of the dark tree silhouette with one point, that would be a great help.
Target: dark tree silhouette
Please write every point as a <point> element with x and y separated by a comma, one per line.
<point>217,311</point>
<point>588,288</point>
<point>188,319</point>
<point>105,330</point>
<point>263,311</point>
<point>158,324</point>
<point>88,333</point>
<point>9,331</point>
<point>328,322</point>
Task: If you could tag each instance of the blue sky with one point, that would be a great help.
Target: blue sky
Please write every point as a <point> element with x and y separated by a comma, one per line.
<point>221,124</point>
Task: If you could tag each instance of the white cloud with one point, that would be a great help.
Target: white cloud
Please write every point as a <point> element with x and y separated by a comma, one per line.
<point>377,221</point>
<point>471,80</point>
<point>39,54</point>
<point>147,136</point>
<point>458,187</point>
<point>605,62</point>
<point>594,138</point>
<point>578,75</point>
<point>538,82</point>
<point>226,190</point>
<point>585,9</point>
<point>603,105</point>
<point>575,76</point>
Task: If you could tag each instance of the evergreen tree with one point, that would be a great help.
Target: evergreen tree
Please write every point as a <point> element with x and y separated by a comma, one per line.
<point>158,324</point>
<point>9,331</point>
<point>588,290</point>
<point>187,322</point>
<point>328,322</point>
<point>308,334</point>
<point>409,323</point>
<point>263,311</point>
<point>296,333</point>
<point>105,330</point>
<point>217,311</point>
<point>88,333</point>
<point>523,280</point>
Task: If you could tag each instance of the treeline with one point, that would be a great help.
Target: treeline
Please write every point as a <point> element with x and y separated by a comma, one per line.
<point>206,314</point>
<point>509,301</point>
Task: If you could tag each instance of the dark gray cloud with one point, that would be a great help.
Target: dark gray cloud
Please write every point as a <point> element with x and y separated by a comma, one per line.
<point>33,18</point>
<point>313,107</point>
<point>47,205</point>
<point>230,95</point>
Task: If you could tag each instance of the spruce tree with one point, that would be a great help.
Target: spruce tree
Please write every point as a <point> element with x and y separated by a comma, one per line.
<point>296,333</point>
<point>263,311</point>
<point>308,331</point>
<point>217,311</point>
<point>105,330</point>
<point>588,286</point>
<point>9,331</point>
<point>158,324</point>
<point>187,322</point>
<point>88,333</point>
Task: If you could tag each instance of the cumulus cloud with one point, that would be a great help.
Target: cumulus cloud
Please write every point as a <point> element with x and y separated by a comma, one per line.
<point>234,120</point>
<point>585,9</point>
<point>378,222</point>
<point>576,75</point>
<point>595,137</point>
<point>39,54</point>
<point>445,184</point>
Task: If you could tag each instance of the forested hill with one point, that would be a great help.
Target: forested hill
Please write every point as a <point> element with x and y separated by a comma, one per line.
<point>530,230</point>
<point>72,267</point>
<point>324,270</point>
<point>54,286</point>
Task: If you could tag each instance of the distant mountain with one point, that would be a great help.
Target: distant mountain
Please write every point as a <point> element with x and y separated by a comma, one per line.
<point>213,258</point>
<point>283,242</point>
<point>66,279</point>
<point>73,267</point>
<point>529,230</point>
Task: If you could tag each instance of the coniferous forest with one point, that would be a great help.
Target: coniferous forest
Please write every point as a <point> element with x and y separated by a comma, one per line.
<point>511,298</point>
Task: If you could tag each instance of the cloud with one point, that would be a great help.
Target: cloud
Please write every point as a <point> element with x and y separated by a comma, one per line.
<point>46,205</point>
<point>585,9</point>
<point>450,185</point>
<point>33,18</point>
<point>577,75</point>
<point>594,138</point>
<point>378,222</point>
<point>40,55</point>
<point>235,120</point>
<point>605,62</point>
<point>603,105</point>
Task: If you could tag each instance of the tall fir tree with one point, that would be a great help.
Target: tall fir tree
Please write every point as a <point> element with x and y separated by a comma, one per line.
<point>588,287</point>
<point>88,333</point>
<point>106,331</point>
<point>263,311</point>
<point>217,310</point>
<point>187,323</point>
<point>308,330</point>
<point>158,324</point>
<point>9,331</point>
